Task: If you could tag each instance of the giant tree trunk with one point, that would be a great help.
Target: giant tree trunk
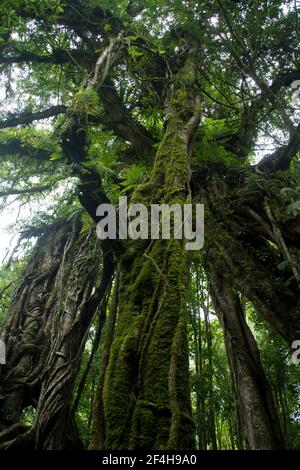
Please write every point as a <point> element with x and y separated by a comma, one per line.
<point>24,328</point>
<point>146,393</point>
<point>68,331</point>
<point>254,398</point>
<point>49,319</point>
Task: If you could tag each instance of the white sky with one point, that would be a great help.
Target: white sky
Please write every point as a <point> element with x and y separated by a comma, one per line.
<point>8,218</point>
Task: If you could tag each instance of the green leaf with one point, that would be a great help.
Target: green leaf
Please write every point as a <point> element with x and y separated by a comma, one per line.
<point>134,52</point>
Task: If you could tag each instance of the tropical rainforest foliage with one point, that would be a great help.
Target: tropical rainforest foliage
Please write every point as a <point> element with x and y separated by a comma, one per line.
<point>141,344</point>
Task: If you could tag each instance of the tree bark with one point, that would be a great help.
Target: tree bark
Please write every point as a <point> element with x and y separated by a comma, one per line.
<point>45,331</point>
<point>68,334</point>
<point>24,328</point>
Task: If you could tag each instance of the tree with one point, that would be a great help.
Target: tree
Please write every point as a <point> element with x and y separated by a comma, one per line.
<point>164,102</point>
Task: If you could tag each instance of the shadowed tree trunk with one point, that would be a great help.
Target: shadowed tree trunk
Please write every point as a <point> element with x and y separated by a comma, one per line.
<point>68,332</point>
<point>24,328</point>
<point>66,264</point>
<point>248,226</point>
<point>254,398</point>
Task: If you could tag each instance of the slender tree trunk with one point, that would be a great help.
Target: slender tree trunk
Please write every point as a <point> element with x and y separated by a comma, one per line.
<point>96,342</point>
<point>255,401</point>
<point>211,412</point>
<point>200,402</point>
<point>199,369</point>
<point>195,321</point>
<point>97,439</point>
<point>231,434</point>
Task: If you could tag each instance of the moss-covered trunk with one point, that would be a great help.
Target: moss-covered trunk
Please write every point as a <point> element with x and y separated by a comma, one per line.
<point>146,393</point>
<point>146,396</point>
<point>97,437</point>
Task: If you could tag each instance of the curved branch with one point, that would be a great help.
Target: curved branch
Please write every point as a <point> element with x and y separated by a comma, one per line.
<point>241,143</point>
<point>282,157</point>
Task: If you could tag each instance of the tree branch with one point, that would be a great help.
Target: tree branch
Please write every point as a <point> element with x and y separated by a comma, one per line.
<point>35,189</point>
<point>59,56</point>
<point>241,143</point>
<point>26,118</point>
<point>17,147</point>
<point>282,157</point>
<point>119,119</point>
<point>75,16</point>
<point>284,80</point>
